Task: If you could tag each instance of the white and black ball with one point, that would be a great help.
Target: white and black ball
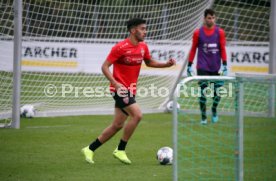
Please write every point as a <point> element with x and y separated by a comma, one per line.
<point>165,155</point>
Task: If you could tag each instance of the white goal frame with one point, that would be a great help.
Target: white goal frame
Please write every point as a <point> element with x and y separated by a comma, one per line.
<point>17,57</point>
<point>239,111</point>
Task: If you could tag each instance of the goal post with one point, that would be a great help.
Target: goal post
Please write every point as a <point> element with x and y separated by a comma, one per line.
<point>240,131</point>
<point>196,159</point>
<point>272,55</point>
<point>272,47</point>
<point>238,146</point>
<point>64,43</point>
<point>17,64</point>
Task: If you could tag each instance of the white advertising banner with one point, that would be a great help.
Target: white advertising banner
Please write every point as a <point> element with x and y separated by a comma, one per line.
<point>248,59</point>
<point>88,57</point>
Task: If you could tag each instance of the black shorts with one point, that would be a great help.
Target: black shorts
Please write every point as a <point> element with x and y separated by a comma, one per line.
<point>204,83</point>
<point>122,102</point>
<point>204,72</point>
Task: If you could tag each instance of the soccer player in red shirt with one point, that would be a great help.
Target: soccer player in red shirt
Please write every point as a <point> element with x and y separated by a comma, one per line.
<point>126,58</point>
<point>210,42</point>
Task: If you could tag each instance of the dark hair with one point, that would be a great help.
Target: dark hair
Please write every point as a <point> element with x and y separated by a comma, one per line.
<point>209,11</point>
<point>134,22</point>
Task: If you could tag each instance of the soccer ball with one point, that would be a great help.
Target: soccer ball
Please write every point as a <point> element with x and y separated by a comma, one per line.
<point>170,106</point>
<point>27,111</point>
<point>165,155</point>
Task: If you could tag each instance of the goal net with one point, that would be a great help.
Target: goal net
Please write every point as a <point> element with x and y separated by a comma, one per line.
<point>65,43</point>
<point>234,147</point>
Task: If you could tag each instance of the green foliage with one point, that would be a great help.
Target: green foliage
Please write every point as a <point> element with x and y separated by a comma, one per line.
<point>106,19</point>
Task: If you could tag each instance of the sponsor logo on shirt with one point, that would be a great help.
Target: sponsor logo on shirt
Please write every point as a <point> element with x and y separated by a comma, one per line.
<point>142,52</point>
<point>211,48</point>
<point>212,45</point>
<point>127,60</point>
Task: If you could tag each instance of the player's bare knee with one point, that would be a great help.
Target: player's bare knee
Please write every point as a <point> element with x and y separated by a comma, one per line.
<point>138,116</point>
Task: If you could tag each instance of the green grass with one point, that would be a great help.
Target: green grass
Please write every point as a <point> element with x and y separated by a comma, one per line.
<point>208,152</point>
<point>49,149</point>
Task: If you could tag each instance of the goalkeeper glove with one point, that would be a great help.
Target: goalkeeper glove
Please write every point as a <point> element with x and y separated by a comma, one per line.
<point>224,70</point>
<point>190,70</point>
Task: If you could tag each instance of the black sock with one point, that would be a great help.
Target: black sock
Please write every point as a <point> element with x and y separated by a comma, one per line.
<point>214,111</point>
<point>202,99</point>
<point>122,145</point>
<point>216,101</point>
<point>202,104</point>
<point>94,145</point>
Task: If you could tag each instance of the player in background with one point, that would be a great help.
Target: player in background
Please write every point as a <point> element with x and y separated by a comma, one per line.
<point>126,58</point>
<point>210,42</point>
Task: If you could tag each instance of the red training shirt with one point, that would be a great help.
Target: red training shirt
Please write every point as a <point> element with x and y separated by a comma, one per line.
<point>208,32</point>
<point>127,59</point>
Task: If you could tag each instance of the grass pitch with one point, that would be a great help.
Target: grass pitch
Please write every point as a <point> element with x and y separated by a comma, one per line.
<point>49,149</point>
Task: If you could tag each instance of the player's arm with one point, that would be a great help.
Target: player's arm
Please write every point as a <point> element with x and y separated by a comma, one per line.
<point>150,62</point>
<point>107,73</point>
<point>222,42</point>
<point>192,52</point>
<point>109,76</point>
<point>112,57</point>
<point>156,64</point>
<point>194,47</point>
